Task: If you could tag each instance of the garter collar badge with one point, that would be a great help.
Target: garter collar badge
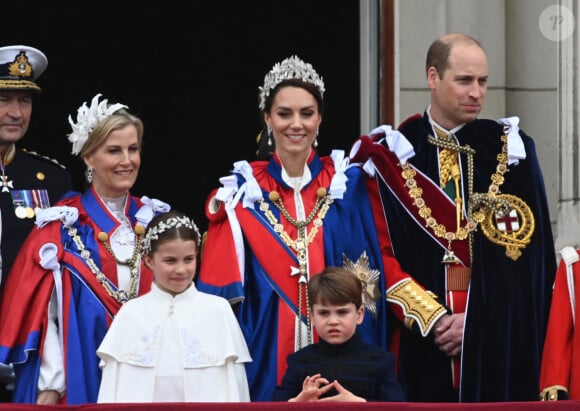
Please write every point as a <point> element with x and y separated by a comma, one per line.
<point>513,229</point>
<point>509,221</point>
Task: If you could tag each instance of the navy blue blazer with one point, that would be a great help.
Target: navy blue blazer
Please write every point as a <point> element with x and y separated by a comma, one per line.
<point>365,370</point>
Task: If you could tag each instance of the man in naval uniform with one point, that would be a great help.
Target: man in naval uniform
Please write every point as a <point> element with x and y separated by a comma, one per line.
<point>28,181</point>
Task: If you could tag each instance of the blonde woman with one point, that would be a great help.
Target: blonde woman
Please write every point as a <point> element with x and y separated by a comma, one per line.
<point>79,266</point>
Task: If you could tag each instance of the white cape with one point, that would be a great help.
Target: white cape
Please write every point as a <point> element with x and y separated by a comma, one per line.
<point>187,348</point>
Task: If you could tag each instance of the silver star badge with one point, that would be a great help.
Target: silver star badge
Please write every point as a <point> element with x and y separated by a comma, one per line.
<point>369,278</point>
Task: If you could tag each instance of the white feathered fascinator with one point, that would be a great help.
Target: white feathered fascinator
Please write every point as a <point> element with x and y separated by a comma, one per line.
<point>87,119</point>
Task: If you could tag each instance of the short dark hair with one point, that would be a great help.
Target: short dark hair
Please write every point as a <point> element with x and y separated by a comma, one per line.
<point>335,285</point>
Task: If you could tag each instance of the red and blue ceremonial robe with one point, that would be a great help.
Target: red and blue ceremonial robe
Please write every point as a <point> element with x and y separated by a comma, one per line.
<point>86,309</point>
<point>246,260</point>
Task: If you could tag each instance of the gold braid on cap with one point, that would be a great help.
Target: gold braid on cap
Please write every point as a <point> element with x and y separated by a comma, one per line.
<point>171,222</point>
<point>290,68</point>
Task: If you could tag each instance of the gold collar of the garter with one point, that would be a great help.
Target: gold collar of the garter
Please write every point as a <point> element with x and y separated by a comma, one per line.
<point>483,208</point>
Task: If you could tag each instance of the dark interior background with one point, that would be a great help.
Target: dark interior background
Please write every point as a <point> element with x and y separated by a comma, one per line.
<point>191,71</point>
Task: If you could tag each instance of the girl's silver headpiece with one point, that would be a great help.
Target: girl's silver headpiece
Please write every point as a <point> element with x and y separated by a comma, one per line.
<point>162,226</point>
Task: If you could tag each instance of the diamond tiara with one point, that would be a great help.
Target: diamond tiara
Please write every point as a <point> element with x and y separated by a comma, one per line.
<point>290,68</point>
<point>87,119</point>
<point>171,222</point>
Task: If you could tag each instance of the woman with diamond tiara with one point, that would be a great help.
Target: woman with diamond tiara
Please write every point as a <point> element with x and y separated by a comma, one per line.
<point>79,266</point>
<point>174,344</point>
<point>274,223</point>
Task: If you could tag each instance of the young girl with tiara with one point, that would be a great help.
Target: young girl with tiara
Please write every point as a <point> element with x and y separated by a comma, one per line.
<point>175,343</point>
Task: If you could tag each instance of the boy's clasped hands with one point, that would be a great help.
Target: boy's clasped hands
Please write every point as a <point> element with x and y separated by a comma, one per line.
<point>315,386</point>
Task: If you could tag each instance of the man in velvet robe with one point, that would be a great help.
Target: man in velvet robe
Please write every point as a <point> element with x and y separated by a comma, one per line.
<point>482,240</point>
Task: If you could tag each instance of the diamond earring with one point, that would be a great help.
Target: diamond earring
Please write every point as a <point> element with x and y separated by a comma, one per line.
<point>269,136</point>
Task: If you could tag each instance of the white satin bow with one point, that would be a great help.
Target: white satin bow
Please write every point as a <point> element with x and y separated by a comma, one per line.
<point>68,215</point>
<point>150,207</point>
<point>515,146</point>
<point>396,142</point>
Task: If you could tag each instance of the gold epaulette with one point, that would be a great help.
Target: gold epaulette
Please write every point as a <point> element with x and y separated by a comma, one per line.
<point>419,306</point>
<point>551,393</point>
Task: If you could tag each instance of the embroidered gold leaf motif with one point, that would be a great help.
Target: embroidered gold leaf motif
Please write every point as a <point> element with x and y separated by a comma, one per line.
<point>369,278</point>
<point>20,66</point>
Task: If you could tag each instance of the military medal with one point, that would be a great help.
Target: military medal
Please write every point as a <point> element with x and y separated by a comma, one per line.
<point>39,200</point>
<point>6,159</point>
<point>28,202</point>
<point>4,183</point>
<point>20,212</point>
<point>35,206</point>
<point>18,204</point>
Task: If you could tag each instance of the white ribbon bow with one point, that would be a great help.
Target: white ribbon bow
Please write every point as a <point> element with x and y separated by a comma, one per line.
<point>338,183</point>
<point>150,207</point>
<point>251,187</point>
<point>396,142</point>
<point>228,189</point>
<point>515,146</point>
<point>68,215</point>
